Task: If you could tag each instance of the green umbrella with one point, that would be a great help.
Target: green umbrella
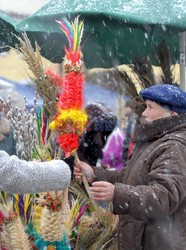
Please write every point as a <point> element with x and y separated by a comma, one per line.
<point>116,31</point>
<point>7,32</point>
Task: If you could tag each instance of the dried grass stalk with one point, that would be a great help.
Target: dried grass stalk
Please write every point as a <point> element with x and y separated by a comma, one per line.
<point>137,103</point>
<point>122,76</point>
<point>41,81</point>
<point>97,230</point>
<point>165,61</point>
<point>79,192</point>
<point>144,72</point>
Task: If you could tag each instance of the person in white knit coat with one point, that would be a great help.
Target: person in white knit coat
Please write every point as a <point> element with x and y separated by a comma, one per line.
<point>19,176</point>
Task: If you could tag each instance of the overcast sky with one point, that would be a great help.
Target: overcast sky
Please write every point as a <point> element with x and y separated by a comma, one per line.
<point>24,7</point>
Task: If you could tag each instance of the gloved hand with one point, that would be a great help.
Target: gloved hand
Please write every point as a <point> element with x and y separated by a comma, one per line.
<point>70,162</point>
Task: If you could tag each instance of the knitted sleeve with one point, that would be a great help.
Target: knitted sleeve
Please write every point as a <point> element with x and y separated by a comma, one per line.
<point>18,176</point>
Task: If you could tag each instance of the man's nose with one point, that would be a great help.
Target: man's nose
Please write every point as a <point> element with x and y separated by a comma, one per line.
<point>144,113</point>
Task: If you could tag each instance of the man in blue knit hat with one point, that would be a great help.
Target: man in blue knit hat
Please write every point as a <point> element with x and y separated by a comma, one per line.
<point>150,194</point>
<point>165,100</point>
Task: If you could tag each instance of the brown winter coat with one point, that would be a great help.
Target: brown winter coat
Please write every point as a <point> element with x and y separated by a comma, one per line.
<point>150,194</point>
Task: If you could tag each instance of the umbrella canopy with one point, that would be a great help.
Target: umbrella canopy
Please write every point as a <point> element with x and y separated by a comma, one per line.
<point>116,32</point>
<point>7,31</point>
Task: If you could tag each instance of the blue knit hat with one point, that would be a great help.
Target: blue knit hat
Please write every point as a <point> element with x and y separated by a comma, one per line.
<point>166,95</point>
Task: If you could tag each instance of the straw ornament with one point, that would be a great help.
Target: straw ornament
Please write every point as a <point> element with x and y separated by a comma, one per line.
<point>51,226</point>
<point>54,215</point>
<point>14,236</point>
<point>71,119</point>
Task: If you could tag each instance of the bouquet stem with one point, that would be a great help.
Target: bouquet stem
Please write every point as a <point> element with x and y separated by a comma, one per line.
<point>85,182</point>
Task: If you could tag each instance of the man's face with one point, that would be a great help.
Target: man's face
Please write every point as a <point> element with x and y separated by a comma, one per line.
<point>154,112</point>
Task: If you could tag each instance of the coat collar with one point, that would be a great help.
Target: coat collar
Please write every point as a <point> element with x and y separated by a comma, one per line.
<point>158,128</point>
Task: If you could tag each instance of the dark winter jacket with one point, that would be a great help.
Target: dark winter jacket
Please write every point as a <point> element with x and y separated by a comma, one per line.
<point>150,195</point>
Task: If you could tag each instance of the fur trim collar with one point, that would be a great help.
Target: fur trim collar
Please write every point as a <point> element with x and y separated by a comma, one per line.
<point>158,128</point>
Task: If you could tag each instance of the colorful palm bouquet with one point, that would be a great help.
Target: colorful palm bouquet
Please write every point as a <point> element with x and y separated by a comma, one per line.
<point>54,220</point>
<point>70,120</point>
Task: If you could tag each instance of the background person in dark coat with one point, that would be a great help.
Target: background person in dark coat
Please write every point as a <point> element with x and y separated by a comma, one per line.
<point>150,194</point>
<point>101,123</point>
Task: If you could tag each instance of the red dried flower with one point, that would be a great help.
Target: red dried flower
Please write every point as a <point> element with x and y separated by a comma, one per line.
<point>68,142</point>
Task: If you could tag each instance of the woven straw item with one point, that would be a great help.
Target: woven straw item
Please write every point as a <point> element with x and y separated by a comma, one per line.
<point>52,222</point>
<point>14,236</point>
